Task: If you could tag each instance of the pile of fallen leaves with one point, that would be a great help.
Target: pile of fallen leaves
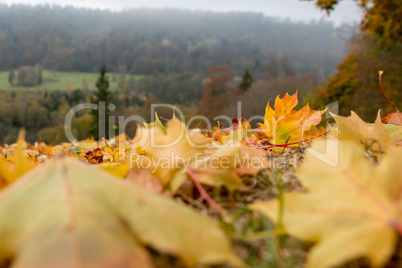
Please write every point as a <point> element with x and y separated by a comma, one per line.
<point>174,197</point>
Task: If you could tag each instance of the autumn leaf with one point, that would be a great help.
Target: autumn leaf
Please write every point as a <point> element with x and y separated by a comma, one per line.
<point>394,118</point>
<point>10,170</point>
<point>350,210</point>
<point>118,170</point>
<point>354,128</point>
<point>251,159</point>
<point>239,130</point>
<point>69,214</point>
<point>157,123</point>
<point>169,153</point>
<point>283,124</point>
<point>175,146</point>
<point>112,156</point>
<point>394,132</point>
<point>94,156</point>
<point>216,169</point>
<point>145,179</point>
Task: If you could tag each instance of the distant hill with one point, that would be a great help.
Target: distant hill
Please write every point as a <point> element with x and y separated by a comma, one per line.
<point>148,41</point>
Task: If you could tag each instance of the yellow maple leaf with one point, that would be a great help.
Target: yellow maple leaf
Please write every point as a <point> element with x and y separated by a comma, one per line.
<point>380,136</point>
<point>118,170</point>
<point>168,148</point>
<point>285,124</point>
<point>351,209</point>
<point>113,155</point>
<point>18,166</point>
<point>113,222</point>
<point>215,169</point>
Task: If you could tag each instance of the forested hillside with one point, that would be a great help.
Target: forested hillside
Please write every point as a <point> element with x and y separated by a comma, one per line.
<point>146,41</point>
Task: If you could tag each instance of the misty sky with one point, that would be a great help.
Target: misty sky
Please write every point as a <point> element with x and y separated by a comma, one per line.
<point>296,10</point>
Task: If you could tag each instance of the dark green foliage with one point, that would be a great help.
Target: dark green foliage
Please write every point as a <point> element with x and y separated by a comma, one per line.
<point>29,76</point>
<point>101,97</point>
<point>40,113</point>
<point>11,77</point>
<point>246,82</point>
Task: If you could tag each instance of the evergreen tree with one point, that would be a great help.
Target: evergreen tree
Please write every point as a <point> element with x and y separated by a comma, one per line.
<point>11,77</point>
<point>246,81</point>
<point>102,95</point>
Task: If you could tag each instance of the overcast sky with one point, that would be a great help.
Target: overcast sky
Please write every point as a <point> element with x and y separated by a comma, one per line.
<point>297,10</point>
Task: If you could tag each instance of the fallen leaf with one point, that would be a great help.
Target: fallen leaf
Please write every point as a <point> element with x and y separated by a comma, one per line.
<point>251,159</point>
<point>18,165</point>
<point>112,155</point>
<point>145,179</point>
<point>169,150</point>
<point>394,132</point>
<point>396,119</point>
<point>350,210</point>
<point>217,169</point>
<point>94,156</point>
<point>118,170</point>
<point>282,124</point>
<point>69,214</point>
<point>354,128</point>
<point>157,123</point>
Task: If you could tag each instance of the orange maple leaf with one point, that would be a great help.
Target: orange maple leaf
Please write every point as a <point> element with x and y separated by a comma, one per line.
<point>285,125</point>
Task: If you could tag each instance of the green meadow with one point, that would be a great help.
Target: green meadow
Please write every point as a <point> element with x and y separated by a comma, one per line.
<point>53,80</point>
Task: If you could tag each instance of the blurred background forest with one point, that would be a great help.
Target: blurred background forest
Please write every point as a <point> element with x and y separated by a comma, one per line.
<point>202,62</point>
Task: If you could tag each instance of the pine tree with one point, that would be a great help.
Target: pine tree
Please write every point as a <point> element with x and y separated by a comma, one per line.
<point>246,81</point>
<point>11,77</point>
<point>102,95</point>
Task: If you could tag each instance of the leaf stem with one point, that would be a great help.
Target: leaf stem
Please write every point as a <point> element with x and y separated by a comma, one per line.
<point>291,143</point>
<point>203,193</point>
<point>383,93</point>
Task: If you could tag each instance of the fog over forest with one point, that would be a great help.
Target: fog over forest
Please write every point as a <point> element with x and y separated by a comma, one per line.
<point>149,41</point>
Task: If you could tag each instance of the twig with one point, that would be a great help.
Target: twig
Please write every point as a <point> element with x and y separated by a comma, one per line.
<point>380,76</point>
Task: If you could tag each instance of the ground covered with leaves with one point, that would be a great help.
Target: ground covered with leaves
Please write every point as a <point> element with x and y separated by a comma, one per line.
<point>283,195</point>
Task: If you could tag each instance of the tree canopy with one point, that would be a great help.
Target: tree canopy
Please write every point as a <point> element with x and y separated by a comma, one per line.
<point>382,19</point>
<point>378,46</point>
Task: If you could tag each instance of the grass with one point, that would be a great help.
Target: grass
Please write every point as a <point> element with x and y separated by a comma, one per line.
<point>60,81</point>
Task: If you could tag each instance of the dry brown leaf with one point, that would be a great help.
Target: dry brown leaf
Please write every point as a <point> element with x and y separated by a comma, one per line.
<point>94,156</point>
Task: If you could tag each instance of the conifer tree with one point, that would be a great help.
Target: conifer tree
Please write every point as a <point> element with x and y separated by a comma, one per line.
<point>246,81</point>
<point>101,99</point>
<point>11,77</point>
